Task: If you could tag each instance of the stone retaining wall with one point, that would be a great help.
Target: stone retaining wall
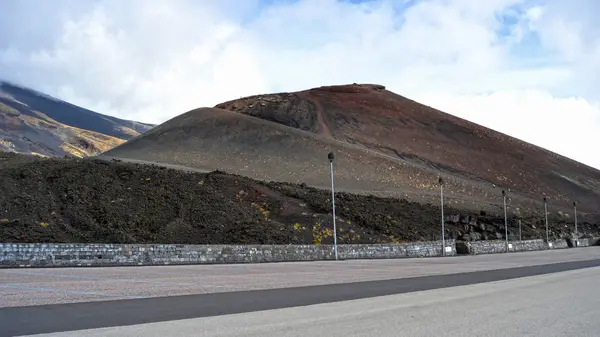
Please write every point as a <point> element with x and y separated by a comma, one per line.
<point>560,244</point>
<point>588,242</point>
<point>72,255</point>
<point>499,246</point>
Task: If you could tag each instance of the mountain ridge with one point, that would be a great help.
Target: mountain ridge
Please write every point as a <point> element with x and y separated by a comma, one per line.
<point>33,122</point>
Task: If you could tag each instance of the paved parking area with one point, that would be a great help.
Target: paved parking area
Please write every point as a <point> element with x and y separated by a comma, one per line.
<point>24,287</point>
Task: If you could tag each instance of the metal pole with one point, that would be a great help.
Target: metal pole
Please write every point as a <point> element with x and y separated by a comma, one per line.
<point>546,216</point>
<point>505,220</point>
<point>576,234</point>
<point>333,207</point>
<point>441,181</point>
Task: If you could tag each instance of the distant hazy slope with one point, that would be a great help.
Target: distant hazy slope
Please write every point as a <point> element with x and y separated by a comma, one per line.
<point>32,122</point>
<point>69,114</point>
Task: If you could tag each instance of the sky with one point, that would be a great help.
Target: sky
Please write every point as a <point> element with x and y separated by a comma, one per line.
<point>527,68</point>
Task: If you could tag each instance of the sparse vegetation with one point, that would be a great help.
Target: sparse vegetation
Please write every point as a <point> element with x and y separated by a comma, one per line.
<point>261,209</point>
<point>321,233</point>
<point>298,227</point>
<point>7,144</point>
<point>7,110</point>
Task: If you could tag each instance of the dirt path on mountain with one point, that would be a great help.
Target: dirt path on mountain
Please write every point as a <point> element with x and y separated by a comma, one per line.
<point>319,112</point>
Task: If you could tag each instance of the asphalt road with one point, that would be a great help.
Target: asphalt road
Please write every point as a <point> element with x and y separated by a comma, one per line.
<point>560,304</point>
<point>93,315</point>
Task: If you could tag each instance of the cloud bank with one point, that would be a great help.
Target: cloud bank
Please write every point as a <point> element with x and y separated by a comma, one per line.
<point>530,69</point>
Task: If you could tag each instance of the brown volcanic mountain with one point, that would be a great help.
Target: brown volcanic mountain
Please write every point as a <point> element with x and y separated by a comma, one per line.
<point>380,120</point>
<point>208,139</point>
<point>384,143</point>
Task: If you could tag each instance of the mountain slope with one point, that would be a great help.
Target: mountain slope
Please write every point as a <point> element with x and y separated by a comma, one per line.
<point>219,139</point>
<point>380,120</point>
<point>32,122</point>
<point>384,144</point>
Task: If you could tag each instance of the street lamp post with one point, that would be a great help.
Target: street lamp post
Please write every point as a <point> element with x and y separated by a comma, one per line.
<point>441,182</point>
<point>575,213</point>
<point>335,250</point>
<point>546,216</point>
<point>505,220</point>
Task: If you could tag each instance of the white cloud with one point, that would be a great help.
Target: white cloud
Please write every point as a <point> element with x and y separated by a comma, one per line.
<point>493,62</point>
<point>564,125</point>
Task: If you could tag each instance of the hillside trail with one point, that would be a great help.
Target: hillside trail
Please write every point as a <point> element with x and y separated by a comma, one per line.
<point>320,119</point>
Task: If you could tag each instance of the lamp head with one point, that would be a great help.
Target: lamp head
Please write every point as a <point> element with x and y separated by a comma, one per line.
<point>330,157</point>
